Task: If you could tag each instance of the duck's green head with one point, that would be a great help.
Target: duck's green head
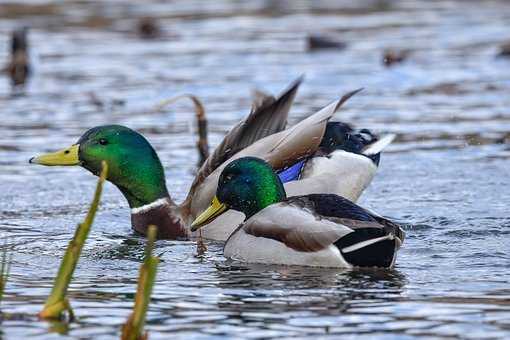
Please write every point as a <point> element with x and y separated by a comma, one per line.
<point>248,185</point>
<point>134,166</point>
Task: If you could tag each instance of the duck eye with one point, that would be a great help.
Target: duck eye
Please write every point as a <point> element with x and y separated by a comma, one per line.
<point>228,177</point>
<point>103,141</point>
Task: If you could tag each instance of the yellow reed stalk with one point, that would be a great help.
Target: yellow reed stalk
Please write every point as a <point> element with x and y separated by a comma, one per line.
<point>5,267</point>
<point>57,303</point>
<point>133,328</point>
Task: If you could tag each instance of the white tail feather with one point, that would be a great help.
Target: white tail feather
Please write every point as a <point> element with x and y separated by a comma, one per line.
<point>363,244</point>
<point>378,146</point>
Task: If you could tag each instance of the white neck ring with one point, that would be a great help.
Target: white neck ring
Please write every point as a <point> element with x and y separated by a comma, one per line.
<point>144,208</point>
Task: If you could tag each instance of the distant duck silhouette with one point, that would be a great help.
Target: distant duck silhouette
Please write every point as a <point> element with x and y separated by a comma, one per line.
<point>148,28</point>
<point>391,57</point>
<point>18,67</point>
<point>318,42</point>
<point>504,50</point>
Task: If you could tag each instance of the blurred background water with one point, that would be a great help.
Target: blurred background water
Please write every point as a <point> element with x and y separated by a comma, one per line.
<point>447,174</point>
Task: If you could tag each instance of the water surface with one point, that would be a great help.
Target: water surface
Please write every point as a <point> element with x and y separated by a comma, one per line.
<point>447,174</point>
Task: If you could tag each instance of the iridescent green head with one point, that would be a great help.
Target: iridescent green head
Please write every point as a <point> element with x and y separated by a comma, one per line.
<point>134,166</point>
<point>248,185</point>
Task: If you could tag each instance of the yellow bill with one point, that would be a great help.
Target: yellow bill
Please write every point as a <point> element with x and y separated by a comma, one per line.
<point>215,209</point>
<point>68,156</point>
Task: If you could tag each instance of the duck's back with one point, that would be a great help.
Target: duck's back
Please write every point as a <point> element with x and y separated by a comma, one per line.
<point>316,230</point>
<point>357,247</point>
<point>342,173</point>
<point>339,166</point>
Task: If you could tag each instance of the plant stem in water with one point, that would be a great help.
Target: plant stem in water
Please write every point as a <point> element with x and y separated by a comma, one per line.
<point>133,328</point>
<point>57,303</point>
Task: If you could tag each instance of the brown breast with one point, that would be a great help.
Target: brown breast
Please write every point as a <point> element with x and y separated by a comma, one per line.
<point>165,217</point>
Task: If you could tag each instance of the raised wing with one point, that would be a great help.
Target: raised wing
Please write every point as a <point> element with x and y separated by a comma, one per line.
<point>280,150</point>
<point>268,116</point>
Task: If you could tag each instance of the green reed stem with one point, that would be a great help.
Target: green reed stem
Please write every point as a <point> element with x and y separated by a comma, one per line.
<point>133,328</point>
<point>57,303</point>
<point>5,267</point>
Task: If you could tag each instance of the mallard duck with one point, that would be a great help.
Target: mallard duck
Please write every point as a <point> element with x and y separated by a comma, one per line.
<point>344,163</point>
<point>323,230</point>
<point>18,67</point>
<point>136,170</point>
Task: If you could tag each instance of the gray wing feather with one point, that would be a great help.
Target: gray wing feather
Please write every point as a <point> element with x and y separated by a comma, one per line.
<point>268,116</point>
<point>298,228</point>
